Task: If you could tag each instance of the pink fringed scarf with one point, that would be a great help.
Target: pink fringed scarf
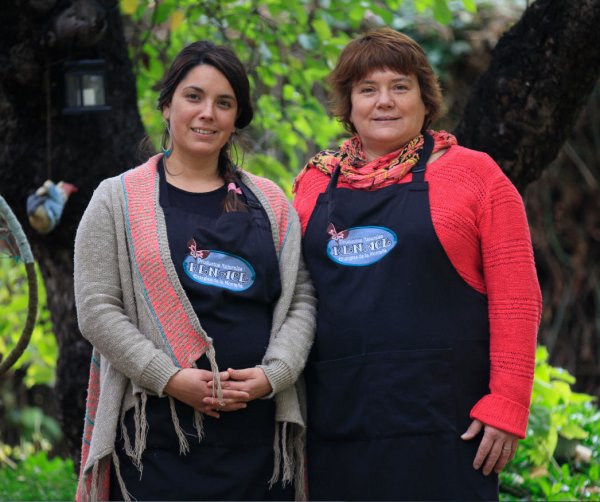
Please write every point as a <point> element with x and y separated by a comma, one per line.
<point>183,343</point>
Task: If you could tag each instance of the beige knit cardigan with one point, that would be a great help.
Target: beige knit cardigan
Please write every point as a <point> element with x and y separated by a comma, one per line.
<point>133,309</point>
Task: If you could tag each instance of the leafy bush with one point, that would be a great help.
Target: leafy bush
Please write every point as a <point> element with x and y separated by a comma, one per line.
<point>560,457</point>
<point>26,471</point>
<point>35,476</point>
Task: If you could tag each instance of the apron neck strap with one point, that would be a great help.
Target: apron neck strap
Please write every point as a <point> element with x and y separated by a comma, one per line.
<point>419,170</point>
<point>334,178</point>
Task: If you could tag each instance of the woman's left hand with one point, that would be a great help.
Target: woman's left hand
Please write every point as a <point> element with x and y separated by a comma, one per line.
<point>496,449</point>
<point>250,380</point>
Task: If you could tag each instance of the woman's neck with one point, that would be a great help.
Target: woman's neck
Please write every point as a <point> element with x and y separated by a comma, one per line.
<point>193,174</point>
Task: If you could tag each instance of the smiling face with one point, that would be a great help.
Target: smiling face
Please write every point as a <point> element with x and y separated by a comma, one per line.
<point>387,111</point>
<point>201,114</point>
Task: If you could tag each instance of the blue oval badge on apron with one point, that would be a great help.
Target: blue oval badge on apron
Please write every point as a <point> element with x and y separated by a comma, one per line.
<point>360,246</point>
<point>223,270</point>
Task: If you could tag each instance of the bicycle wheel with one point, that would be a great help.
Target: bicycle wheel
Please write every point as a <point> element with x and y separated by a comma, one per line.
<point>14,245</point>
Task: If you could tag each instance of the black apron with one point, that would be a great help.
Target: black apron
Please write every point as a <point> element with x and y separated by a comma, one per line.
<point>229,269</point>
<point>401,353</point>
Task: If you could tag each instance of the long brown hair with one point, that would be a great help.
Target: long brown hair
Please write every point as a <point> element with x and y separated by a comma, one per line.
<point>381,49</point>
<point>223,59</point>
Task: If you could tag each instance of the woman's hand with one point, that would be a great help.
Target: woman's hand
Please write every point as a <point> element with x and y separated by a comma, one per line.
<point>191,386</point>
<point>251,381</point>
<point>496,449</point>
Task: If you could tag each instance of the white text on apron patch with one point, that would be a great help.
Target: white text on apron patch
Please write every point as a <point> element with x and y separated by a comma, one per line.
<point>360,246</point>
<point>220,269</point>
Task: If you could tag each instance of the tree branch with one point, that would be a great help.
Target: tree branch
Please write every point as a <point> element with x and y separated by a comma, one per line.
<point>541,74</point>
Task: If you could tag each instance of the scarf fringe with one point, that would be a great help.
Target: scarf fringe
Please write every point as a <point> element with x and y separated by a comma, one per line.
<point>217,390</point>
<point>277,458</point>
<point>288,446</point>
<point>289,450</point>
<point>93,487</point>
<point>117,466</point>
<point>199,425</point>
<point>184,446</point>
<point>287,456</point>
<point>141,433</point>
<point>141,426</point>
<point>128,448</point>
<point>299,474</point>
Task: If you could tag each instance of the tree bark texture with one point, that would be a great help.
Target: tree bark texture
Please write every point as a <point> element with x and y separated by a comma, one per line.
<point>38,141</point>
<point>540,76</point>
<point>563,207</point>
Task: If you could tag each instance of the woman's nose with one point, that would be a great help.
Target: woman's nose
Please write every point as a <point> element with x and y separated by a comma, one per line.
<point>385,99</point>
<point>206,110</point>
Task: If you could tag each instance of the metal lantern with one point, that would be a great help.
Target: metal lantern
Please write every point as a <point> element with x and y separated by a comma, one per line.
<point>85,87</point>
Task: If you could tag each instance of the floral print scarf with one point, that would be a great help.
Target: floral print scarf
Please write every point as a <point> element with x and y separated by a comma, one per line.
<point>383,171</point>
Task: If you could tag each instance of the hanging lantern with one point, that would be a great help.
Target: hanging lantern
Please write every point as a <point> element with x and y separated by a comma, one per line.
<point>85,87</point>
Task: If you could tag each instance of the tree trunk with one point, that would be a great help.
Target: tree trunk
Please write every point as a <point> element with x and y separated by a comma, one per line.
<point>38,142</point>
<point>542,72</point>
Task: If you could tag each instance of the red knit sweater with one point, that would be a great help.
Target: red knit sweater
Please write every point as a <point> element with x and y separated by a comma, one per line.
<point>480,220</point>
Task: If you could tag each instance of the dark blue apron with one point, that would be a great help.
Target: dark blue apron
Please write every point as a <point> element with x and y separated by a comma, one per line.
<point>231,275</point>
<point>401,353</point>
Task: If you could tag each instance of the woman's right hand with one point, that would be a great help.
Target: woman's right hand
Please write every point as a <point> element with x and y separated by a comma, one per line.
<point>190,386</point>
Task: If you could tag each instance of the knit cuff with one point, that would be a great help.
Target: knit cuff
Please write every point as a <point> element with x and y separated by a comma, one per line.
<point>502,413</point>
<point>158,373</point>
<point>279,375</point>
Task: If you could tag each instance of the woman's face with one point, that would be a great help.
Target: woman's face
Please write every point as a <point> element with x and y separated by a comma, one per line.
<point>202,113</point>
<point>387,111</point>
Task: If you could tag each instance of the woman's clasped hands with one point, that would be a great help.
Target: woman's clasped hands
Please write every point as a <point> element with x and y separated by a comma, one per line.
<point>195,387</point>
<point>239,387</point>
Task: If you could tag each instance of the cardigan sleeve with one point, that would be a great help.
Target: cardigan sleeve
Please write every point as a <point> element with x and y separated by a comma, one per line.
<point>514,304</point>
<point>287,353</point>
<point>100,245</point>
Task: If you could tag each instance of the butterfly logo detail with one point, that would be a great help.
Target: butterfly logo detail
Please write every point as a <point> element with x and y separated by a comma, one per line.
<point>335,235</point>
<point>196,253</point>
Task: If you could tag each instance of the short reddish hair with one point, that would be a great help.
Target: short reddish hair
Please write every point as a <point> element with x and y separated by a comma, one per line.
<point>380,49</point>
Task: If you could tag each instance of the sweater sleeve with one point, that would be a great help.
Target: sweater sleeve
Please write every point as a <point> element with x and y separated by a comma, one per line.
<point>514,303</point>
<point>309,184</point>
<point>101,304</point>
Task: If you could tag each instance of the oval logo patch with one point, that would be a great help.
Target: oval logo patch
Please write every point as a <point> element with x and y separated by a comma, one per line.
<point>223,270</point>
<point>360,246</point>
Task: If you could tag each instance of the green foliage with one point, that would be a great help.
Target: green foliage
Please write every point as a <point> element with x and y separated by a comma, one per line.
<point>39,359</point>
<point>559,459</point>
<point>35,427</point>
<point>35,476</point>
<point>26,472</point>
<point>288,47</point>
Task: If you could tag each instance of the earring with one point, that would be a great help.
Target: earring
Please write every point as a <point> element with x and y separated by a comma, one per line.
<point>167,134</point>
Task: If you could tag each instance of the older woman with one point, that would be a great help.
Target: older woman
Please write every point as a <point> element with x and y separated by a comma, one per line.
<point>420,377</point>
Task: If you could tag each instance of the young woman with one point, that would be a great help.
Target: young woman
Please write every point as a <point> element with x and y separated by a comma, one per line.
<point>420,377</point>
<point>190,286</point>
